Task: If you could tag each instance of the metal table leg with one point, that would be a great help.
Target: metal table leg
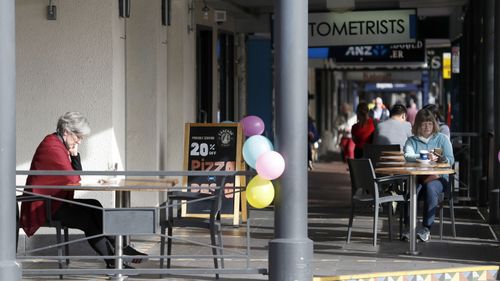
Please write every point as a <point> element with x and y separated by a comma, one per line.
<point>122,200</point>
<point>118,259</point>
<point>413,215</point>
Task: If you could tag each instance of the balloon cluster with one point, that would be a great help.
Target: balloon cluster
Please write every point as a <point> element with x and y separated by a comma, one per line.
<point>258,153</point>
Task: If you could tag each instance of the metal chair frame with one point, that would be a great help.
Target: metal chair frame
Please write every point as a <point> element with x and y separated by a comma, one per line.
<point>447,196</point>
<point>366,189</point>
<point>213,223</point>
<point>373,151</point>
<point>49,222</point>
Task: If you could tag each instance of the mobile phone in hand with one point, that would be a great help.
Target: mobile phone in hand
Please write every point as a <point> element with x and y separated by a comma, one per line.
<point>438,152</point>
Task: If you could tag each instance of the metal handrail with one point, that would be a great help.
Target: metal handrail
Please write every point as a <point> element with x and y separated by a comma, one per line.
<point>234,254</point>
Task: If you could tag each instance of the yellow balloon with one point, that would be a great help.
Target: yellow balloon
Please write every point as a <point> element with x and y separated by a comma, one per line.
<point>260,192</point>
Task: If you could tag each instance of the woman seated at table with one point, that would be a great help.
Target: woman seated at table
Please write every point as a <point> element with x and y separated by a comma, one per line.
<point>426,136</point>
<point>59,151</point>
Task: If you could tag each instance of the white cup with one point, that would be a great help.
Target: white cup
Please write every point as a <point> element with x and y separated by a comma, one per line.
<point>424,154</point>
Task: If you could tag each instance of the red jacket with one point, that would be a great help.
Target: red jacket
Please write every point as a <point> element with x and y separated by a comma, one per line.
<point>362,134</point>
<point>51,154</point>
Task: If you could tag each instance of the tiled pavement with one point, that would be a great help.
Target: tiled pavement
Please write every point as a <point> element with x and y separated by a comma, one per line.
<point>329,191</point>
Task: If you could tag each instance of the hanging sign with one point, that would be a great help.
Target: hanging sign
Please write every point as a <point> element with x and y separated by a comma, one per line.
<point>362,28</point>
<point>455,59</point>
<point>407,52</point>
<point>446,65</point>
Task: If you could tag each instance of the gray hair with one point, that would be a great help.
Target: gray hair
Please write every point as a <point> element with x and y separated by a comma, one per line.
<point>73,122</point>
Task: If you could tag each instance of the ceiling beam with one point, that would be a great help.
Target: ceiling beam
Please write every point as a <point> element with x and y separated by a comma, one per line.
<point>233,6</point>
<point>431,3</point>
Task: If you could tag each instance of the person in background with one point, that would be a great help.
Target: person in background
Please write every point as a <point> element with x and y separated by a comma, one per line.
<point>312,137</point>
<point>59,151</point>
<point>395,130</point>
<point>379,113</point>
<point>443,128</point>
<point>426,136</point>
<point>344,123</point>
<point>362,131</point>
<point>411,111</point>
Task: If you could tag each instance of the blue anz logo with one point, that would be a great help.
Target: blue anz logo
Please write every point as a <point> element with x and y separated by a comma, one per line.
<point>380,51</point>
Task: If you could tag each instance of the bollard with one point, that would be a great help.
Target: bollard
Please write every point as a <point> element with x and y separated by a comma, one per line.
<point>494,206</point>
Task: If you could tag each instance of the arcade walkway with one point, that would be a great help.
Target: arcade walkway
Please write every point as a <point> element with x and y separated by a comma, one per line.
<point>476,246</point>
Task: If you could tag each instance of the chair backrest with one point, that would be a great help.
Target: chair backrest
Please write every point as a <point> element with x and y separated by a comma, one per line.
<point>217,203</point>
<point>49,222</point>
<point>363,177</point>
<point>373,151</point>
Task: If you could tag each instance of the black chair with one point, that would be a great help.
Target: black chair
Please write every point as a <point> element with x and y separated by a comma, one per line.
<point>447,197</point>
<point>212,223</point>
<point>373,151</point>
<point>49,222</point>
<point>366,189</point>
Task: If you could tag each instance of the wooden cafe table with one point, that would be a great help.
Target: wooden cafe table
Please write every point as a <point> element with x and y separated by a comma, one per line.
<point>121,186</point>
<point>413,169</point>
<point>121,220</point>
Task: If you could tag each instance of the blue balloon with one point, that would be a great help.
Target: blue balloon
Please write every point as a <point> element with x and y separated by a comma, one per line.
<point>253,147</point>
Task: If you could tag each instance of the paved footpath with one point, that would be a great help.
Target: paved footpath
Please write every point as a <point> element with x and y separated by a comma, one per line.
<point>329,203</point>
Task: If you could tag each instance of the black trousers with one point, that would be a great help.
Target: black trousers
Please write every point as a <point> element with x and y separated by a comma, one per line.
<point>88,220</point>
<point>358,153</point>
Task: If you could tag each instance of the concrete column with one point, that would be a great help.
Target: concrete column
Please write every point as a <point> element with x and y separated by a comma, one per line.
<point>494,195</point>
<point>488,87</point>
<point>290,252</point>
<point>9,268</point>
<point>488,65</point>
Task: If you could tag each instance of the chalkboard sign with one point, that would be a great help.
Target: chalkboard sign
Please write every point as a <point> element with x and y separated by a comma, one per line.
<point>213,147</point>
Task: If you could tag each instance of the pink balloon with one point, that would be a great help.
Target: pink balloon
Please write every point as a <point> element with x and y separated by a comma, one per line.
<point>270,165</point>
<point>252,125</point>
<point>498,156</point>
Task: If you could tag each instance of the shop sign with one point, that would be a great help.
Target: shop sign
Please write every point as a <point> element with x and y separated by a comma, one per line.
<point>407,52</point>
<point>362,28</point>
<point>446,65</point>
<point>455,59</point>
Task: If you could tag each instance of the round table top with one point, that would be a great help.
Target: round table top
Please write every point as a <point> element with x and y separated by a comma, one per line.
<point>417,169</point>
<point>391,153</point>
<point>398,158</point>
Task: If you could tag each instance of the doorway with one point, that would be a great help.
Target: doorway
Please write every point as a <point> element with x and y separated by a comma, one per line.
<point>204,74</point>
<point>225,60</point>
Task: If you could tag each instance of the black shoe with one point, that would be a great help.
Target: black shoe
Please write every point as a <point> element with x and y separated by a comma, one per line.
<point>129,251</point>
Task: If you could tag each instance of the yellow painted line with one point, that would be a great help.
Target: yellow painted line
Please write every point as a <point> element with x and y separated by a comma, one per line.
<point>404,273</point>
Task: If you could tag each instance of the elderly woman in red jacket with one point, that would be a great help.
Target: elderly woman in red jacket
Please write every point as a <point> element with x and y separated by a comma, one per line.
<point>59,151</point>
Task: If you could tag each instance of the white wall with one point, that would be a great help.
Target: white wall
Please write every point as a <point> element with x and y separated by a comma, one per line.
<point>146,54</point>
<point>142,45</point>
<point>118,92</point>
<point>66,65</point>
<point>181,99</point>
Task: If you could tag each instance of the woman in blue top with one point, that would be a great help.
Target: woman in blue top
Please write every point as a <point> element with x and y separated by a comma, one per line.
<point>426,136</point>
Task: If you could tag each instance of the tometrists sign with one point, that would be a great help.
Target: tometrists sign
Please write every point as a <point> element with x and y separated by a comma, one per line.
<point>362,28</point>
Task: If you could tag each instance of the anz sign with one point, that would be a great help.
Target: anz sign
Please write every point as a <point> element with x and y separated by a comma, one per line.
<point>410,52</point>
<point>377,50</point>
